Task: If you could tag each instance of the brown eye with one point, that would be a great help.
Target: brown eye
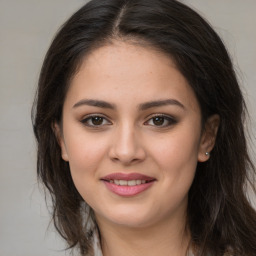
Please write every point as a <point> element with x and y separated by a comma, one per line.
<point>94,121</point>
<point>97,120</point>
<point>158,121</point>
<point>161,121</point>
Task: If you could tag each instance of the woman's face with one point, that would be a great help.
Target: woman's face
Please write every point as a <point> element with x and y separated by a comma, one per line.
<point>132,135</point>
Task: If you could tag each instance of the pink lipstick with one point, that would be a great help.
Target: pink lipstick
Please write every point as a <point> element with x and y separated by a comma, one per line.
<point>128,185</point>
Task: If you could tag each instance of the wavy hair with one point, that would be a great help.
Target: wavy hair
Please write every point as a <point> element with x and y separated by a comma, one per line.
<point>220,217</point>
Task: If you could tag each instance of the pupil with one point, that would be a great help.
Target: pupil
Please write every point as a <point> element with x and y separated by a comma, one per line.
<point>97,120</point>
<point>158,120</point>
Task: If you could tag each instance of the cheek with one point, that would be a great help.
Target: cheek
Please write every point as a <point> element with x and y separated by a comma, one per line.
<point>177,161</point>
<point>85,152</point>
<point>177,147</point>
<point>176,156</point>
<point>85,156</point>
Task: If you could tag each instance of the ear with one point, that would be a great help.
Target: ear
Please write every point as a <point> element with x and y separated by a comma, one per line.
<point>59,136</point>
<point>208,137</point>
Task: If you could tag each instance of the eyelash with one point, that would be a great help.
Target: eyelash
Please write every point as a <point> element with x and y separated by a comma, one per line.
<point>170,121</point>
<point>89,118</point>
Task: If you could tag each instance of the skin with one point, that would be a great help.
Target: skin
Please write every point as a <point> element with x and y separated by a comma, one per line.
<point>129,139</point>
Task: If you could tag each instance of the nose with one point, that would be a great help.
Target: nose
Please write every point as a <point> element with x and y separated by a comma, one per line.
<point>127,147</point>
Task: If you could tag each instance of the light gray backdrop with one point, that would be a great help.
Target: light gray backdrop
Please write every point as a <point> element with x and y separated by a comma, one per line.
<point>26,30</point>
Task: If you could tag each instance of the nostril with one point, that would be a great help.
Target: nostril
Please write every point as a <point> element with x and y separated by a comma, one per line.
<point>126,161</point>
<point>126,148</point>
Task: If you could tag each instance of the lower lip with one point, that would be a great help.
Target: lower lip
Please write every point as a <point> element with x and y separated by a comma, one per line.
<point>128,190</point>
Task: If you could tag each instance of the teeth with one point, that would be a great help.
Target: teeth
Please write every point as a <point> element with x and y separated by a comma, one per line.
<point>116,182</point>
<point>128,182</point>
<point>131,182</point>
<point>138,182</point>
<point>123,182</point>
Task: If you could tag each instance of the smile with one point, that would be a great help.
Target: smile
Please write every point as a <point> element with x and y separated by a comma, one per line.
<point>128,182</point>
<point>128,185</point>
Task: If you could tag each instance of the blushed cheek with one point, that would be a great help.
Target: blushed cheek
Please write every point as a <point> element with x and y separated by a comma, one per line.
<point>179,154</point>
<point>85,155</point>
<point>178,170</point>
<point>84,163</point>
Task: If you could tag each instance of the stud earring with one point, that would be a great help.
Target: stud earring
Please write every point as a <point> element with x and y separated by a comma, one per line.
<point>207,153</point>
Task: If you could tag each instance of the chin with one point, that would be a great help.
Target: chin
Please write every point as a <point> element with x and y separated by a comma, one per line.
<point>129,217</point>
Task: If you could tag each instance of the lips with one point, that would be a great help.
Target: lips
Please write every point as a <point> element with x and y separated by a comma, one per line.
<point>128,184</point>
<point>127,176</point>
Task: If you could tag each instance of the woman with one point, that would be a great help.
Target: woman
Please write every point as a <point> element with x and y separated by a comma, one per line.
<point>139,122</point>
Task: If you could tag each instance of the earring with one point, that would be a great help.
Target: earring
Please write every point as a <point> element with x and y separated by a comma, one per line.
<point>207,153</point>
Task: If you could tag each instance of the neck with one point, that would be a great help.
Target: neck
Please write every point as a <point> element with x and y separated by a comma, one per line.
<point>163,239</point>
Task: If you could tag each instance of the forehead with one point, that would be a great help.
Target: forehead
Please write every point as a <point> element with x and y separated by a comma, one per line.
<point>123,70</point>
<point>115,59</point>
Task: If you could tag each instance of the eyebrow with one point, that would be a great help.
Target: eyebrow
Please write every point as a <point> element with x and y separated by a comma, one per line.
<point>143,106</point>
<point>160,103</point>
<point>94,103</point>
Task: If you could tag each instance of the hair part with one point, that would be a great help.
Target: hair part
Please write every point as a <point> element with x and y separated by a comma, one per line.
<point>219,214</point>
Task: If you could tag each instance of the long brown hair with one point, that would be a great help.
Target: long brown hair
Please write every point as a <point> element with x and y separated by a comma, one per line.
<point>220,217</point>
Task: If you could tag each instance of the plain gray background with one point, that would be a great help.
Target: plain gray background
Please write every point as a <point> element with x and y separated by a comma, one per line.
<point>26,30</point>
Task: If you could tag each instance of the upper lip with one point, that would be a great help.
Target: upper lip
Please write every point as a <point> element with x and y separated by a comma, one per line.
<point>127,176</point>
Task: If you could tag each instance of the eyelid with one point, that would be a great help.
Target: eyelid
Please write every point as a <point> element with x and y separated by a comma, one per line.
<point>88,117</point>
<point>172,120</point>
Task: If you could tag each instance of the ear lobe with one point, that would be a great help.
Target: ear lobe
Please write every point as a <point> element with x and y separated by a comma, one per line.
<point>59,136</point>
<point>208,137</point>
